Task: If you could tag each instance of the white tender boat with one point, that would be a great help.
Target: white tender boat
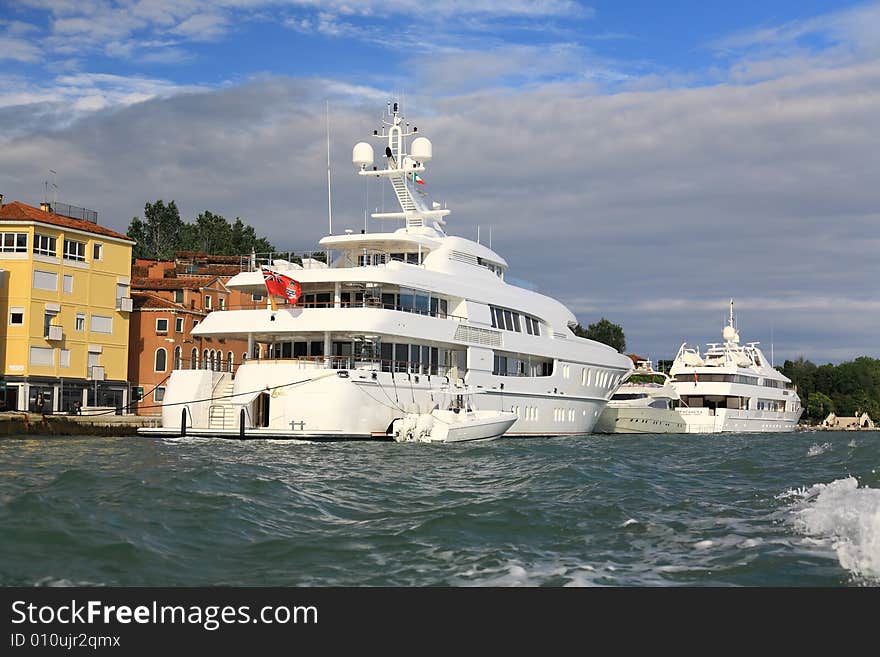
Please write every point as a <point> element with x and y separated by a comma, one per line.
<point>733,387</point>
<point>645,403</point>
<point>457,420</point>
<point>383,324</point>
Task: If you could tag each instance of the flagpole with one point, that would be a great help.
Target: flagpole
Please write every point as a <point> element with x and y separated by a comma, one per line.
<point>329,197</point>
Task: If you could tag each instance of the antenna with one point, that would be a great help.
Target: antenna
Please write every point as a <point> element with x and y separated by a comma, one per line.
<point>771,345</point>
<point>490,237</point>
<point>329,197</point>
<point>54,188</point>
<point>478,234</point>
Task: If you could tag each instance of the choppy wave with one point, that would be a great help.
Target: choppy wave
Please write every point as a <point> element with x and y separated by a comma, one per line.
<point>846,516</point>
<point>590,511</point>
<point>817,449</point>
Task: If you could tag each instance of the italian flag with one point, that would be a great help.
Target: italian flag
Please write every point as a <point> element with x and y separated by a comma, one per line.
<point>417,179</point>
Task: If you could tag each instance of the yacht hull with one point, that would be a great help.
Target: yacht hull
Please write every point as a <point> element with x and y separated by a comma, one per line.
<point>722,420</point>
<point>640,420</point>
<point>308,402</point>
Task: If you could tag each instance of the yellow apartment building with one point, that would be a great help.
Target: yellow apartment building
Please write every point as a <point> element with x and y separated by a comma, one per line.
<point>64,310</point>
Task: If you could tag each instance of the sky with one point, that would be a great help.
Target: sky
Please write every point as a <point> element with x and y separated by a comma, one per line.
<point>639,161</point>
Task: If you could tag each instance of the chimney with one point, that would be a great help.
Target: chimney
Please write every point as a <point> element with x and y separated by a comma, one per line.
<point>45,207</point>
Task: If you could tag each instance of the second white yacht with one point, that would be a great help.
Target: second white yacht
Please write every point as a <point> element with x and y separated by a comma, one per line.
<point>645,403</point>
<point>396,317</point>
<point>733,387</point>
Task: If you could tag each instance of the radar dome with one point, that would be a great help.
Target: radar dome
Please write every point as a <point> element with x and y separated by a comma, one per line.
<point>729,334</point>
<point>362,155</point>
<point>422,149</point>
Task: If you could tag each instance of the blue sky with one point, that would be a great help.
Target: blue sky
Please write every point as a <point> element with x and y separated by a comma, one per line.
<point>704,149</point>
<point>203,43</point>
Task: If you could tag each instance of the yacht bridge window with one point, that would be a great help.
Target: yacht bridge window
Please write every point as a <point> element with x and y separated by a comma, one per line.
<point>521,365</point>
<point>511,320</point>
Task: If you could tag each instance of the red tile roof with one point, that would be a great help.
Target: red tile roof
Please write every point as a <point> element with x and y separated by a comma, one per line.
<point>148,301</point>
<point>209,270</point>
<point>19,211</point>
<point>173,283</point>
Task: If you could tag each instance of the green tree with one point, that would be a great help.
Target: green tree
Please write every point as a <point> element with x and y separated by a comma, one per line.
<point>162,233</point>
<point>159,233</point>
<point>605,332</point>
<point>819,406</point>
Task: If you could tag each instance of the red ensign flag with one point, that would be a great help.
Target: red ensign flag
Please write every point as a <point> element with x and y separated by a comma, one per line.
<point>281,285</point>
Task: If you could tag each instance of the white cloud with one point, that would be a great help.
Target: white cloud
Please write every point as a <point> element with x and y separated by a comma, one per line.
<point>203,27</point>
<point>21,50</point>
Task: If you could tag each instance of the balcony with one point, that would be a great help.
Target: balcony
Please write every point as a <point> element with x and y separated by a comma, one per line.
<point>124,304</point>
<point>55,333</point>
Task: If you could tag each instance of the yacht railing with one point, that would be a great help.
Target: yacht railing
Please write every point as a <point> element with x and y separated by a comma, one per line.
<point>353,304</point>
<point>330,362</point>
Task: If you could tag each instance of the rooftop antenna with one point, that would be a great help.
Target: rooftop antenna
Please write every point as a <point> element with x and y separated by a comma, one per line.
<point>54,188</point>
<point>329,197</point>
<point>490,237</point>
<point>478,234</point>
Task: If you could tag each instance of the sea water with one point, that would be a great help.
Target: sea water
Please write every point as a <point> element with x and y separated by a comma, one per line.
<point>798,509</point>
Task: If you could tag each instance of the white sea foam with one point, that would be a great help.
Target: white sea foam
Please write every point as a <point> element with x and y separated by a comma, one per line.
<point>852,443</point>
<point>631,521</point>
<point>817,449</point>
<point>847,517</point>
<point>702,545</point>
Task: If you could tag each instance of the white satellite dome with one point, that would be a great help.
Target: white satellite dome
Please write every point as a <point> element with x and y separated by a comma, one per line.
<point>422,149</point>
<point>729,334</point>
<point>362,155</point>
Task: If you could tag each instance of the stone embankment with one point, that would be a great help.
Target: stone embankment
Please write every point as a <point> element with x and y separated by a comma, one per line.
<point>18,423</point>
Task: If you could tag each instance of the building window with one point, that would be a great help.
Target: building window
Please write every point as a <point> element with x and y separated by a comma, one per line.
<point>161,357</point>
<point>47,322</point>
<point>44,245</point>
<point>45,280</point>
<point>64,360</point>
<point>74,250</point>
<point>162,326</point>
<point>207,302</point>
<point>16,316</point>
<point>67,283</point>
<point>13,242</point>
<point>229,357</point>
<point>178,296</point>
<point>159,394</point>
<point>101,324</point>
<point>42,356</point>
<point>195,323</point>
<point>221,302</point>
<point>257,297</point>
<point>80,322</point>
<point>97,251</point>
<point>178,324</point>
<point>177,357</point>
<point>93,361</point>
<point>194,359</point>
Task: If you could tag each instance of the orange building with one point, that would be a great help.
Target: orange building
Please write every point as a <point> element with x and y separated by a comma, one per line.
<point>170,299</point>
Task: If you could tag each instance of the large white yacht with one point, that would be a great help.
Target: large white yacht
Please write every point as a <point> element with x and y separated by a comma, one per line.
<point>644,404</point>
<point>733,387</point>
<point>391,321</point>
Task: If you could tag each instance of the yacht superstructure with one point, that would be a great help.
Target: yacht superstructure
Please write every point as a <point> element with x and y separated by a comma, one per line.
<point>392,319</point>
<point>733,387</point>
